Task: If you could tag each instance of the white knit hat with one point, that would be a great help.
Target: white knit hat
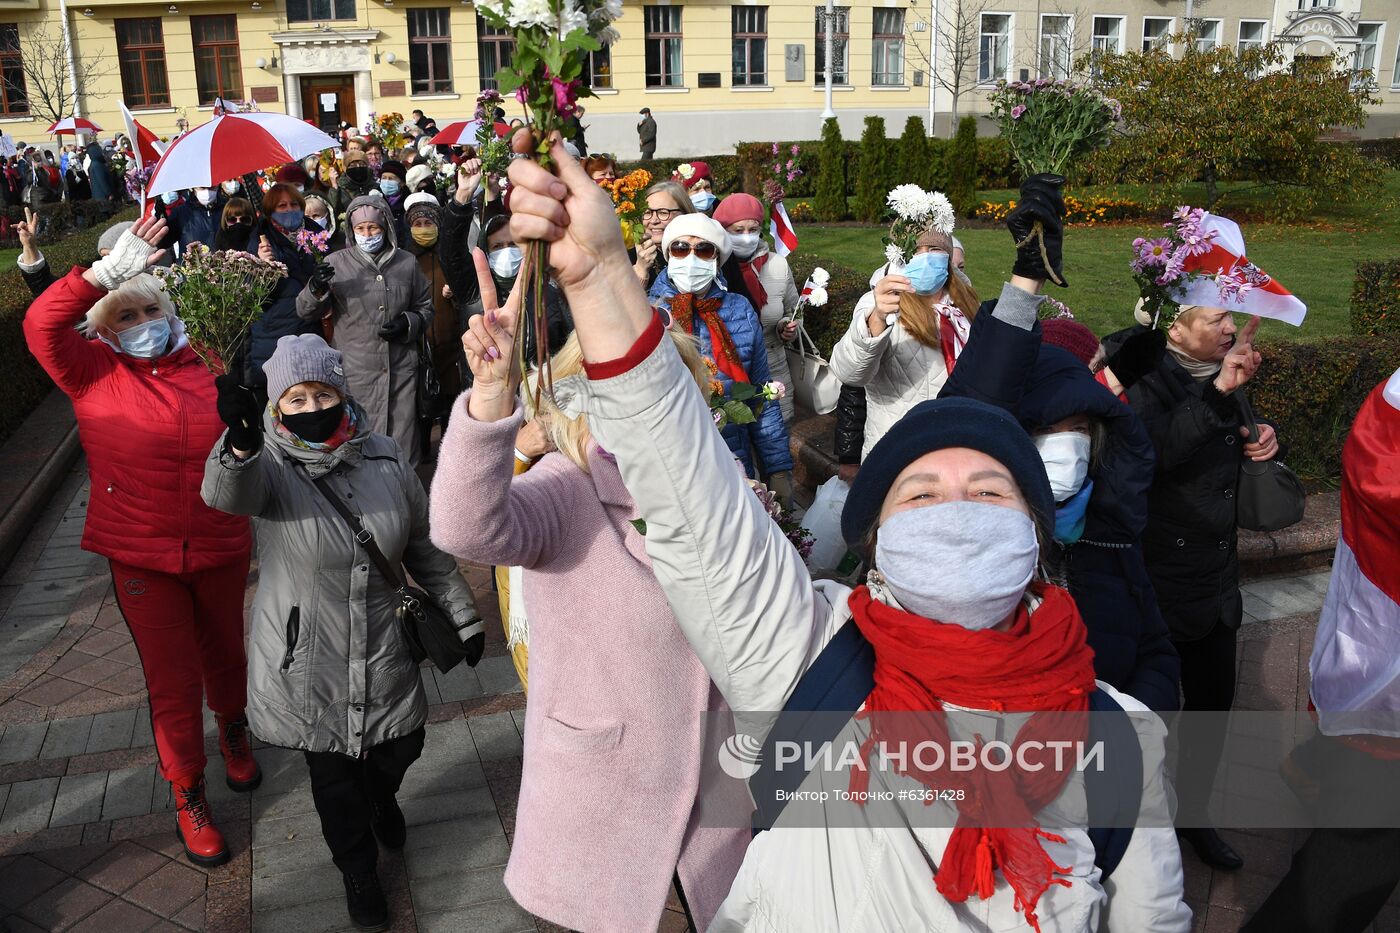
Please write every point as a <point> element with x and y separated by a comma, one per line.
<point>696,224</point>
<point>417,175</point>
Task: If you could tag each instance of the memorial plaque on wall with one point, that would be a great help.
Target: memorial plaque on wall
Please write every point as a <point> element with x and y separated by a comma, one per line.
<point>393,88</point>
<point>710,79</point>
<point>795,62</point>
<point>265,95</point>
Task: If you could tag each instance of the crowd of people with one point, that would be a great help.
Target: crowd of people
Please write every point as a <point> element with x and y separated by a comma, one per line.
<point>1047,519</point>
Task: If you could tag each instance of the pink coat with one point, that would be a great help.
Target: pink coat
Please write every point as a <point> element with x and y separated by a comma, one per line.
<point>614,725</point>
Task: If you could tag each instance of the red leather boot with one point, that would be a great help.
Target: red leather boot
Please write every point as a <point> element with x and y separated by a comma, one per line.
<point>204,844</point>
<point>243,773</point>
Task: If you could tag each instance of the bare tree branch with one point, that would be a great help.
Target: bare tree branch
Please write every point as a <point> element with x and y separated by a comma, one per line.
<point>51,91</point>
<point>958,28</point>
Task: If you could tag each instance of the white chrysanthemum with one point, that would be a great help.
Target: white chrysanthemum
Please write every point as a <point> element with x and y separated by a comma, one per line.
<point>908,201</point>
<point>493,6</point>
<point>608,35</point>
<point>820,277</point>
<point>607,11</point>
<point>817,296</point>
<point>894,254</point>
<point>940,213</point>
<point>571,19</point>
<point>532,13</point>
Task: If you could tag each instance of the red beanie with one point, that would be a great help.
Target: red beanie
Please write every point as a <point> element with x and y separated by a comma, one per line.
<point>293,174</point>
<point>1071,335</point>
<point>738,207</point>
<point>699,170</point>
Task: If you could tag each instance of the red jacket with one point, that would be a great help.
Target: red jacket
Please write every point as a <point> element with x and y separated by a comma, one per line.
<point>147,427</point>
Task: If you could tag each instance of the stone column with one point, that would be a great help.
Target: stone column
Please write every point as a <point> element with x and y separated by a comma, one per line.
<point>364,96</point>
<point>291,86</point>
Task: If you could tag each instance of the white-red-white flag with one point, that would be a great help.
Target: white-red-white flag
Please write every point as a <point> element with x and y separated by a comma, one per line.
<point>145,145</point>
<point>780,226</point>
<point>1355,663</point>
<point>1264,297</point>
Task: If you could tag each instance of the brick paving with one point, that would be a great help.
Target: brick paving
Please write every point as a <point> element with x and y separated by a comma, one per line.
<point>86,834</point>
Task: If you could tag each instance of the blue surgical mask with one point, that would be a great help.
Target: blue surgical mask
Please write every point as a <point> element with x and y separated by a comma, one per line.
<point>170,197</point>
<point>927,272</point>
<point>370,244</point>
<point>390,186</point>
<point>146,341</point>
<point>703,200</point>
<point>288,220</point>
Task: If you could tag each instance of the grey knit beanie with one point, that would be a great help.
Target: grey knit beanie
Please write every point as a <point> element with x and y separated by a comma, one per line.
<point>112,234</point>
<point>303,358</point>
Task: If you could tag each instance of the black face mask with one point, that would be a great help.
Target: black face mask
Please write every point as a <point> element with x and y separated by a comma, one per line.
<point>315,426</point>
<point>359,174</point>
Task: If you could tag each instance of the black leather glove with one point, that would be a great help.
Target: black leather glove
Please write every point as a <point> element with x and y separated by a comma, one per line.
<point>321,278</point>
<point>1138,355</point>
<point>238,408</point>
<point>1039,253</point>
<point>396,329</point>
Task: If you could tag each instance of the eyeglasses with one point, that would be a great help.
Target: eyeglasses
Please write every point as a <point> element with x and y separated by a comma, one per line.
<point>681,249</point>
<point>659,213</point>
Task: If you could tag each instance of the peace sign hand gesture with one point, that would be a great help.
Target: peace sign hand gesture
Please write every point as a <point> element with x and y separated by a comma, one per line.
<point>489,345</point>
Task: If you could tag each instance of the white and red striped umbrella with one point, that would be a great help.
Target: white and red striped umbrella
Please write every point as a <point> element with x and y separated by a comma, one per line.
<point>232,145</point>
<point>463,133</point>
<point>74,125</point>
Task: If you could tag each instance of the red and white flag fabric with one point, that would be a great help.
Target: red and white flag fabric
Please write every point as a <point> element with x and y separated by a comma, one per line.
<point>145,145</point>
<point>1355,664</point>
<point>780,226</point>
<point>1265,297</point>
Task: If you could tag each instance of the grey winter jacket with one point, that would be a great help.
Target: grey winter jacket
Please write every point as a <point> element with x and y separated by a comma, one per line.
<point>328,667</point>
<point>367,292</point>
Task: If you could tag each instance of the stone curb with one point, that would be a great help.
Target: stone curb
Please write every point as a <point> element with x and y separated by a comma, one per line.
<point>1308,544</point>
<point>45,447</point>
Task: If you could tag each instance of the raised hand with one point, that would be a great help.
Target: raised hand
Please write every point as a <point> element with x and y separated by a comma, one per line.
<point>887,294</point>
<point>489,346</point>
<point>468,177</point>
<point>25,230</point>
<point>1241,363</point>
<point>134,253</point>
<point>1037,227</point>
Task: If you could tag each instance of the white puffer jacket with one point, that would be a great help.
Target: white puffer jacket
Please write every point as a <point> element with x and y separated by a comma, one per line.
<point>757,621</point>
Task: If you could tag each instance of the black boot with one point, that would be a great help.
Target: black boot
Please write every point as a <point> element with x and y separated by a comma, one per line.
<point>387,821</point>
<point>1212,849</point>
<point>364,900</point>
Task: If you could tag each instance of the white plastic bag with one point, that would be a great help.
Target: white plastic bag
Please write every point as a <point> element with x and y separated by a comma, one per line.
<point>823,520</point>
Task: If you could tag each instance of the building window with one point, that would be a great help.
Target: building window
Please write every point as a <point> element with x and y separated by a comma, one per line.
<point>1056,45</point>
<point>1108,35</point>
<point>1251,34</point>
<point>663,36</point>
<point>1156,31</point>
<point>141,56</point>
<point>1394,74</point>
<point>1306,4</point>
<point>318,11</point>
<point>750,46</point>
<point>994,49</point>
<point>430,51</point>
<point>495,48</point>
<point>218,72</point>
<point>14,98</point>
<point>840,39</point>
<point>597,68</point>
<point>887,49</point>
<point>1208,35</point>
<point>1367,53</point>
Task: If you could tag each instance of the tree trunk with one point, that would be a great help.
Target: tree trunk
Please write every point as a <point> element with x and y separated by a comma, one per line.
<point>1212,192</point>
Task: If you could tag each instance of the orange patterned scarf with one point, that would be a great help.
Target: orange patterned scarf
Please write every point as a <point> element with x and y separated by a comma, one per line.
<point>686,307</point>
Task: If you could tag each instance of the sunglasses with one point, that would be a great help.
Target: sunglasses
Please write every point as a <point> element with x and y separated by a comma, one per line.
<point>681,249</point>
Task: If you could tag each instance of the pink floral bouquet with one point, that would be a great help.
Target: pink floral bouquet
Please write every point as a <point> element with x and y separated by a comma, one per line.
<point>218,295</point>
<point>784,170</point>
<point>1159,268</point>
<point>314,243</point>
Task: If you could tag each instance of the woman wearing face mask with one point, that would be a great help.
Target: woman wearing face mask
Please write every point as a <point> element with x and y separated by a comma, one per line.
<point>358,179</point>
<point>273,237</point>
<point>764,278</point>
<point>906,334</point>
<point>391,185</point>
<point>329,672</point>
<point>955,501</point>
<point>320,217</point>
<point>424,220</point>
<point>666,200</point>
<point>235,225</point>
<point>146,414</point>
<point>323,183</point>
<point>730,335</point>
<point>378,305</point>
<point>695,178</point>
<point>505,258</point>
<point>197,219</point>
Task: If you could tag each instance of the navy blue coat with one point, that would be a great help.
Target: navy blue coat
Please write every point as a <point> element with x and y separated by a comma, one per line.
<point>192,222</point>
<point>1007,366</point>
<point>279,316</point>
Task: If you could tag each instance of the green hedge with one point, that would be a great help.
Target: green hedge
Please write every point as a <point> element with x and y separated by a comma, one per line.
<point>26,383</point>
<point>1382,150</point>
<point>1375,299</point>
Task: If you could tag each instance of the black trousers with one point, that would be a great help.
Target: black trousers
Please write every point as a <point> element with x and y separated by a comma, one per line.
<point>1207,684</point>
<point>345,789</point>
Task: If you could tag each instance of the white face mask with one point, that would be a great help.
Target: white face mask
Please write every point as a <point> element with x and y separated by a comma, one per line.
<point>743,245</point>
<point>691,274</point>
<point>505,262</point>
<point>964,563</point>
<point>205,195</point>
<point>703,200</point>
<point>230,187</point>
<point>369,244</point>
<point>1066,456</point>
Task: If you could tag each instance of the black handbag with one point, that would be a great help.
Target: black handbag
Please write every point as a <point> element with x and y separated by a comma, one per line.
<point>429,629</point>
<point>428,384</point>
<point>1271,496</point>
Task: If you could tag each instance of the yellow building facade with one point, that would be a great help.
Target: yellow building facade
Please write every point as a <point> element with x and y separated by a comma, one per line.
<point>713,74</point>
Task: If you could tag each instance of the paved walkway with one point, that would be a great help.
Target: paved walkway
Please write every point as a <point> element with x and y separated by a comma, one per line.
<point>86,835</point>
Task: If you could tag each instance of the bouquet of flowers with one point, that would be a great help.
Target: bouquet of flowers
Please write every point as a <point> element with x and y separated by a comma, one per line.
<point>1051,310</point>
<point>628,203</point>
<point>387,129</point>
<point>553,39</point>
<point>492,150</point>
<point>781,173</point>
<point>219,295</point>
<point>119,162</point>
<point>1158,266</point>
<point>313,243</point>
<point>137,179</point>
<point>1048,123</point>
<point>915,212</point>
<point>813,293</point>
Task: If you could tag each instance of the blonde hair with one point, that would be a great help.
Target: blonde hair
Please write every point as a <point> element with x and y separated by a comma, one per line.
<point>916,312</point>
<point>134,292</point>
<point>571,435</point>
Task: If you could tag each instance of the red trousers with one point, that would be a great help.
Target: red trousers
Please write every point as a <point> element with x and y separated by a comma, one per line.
<point>188,629</point>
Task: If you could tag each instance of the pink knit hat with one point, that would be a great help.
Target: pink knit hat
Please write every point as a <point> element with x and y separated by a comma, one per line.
<point>738,207</point>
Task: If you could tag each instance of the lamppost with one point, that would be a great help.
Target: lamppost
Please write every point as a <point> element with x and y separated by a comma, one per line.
<point>829,21</point>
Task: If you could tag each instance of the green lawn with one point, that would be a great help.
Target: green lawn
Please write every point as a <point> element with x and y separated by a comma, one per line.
<point>1316,262</point>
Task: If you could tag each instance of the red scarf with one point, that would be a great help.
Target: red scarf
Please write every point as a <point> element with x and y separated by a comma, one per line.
<point>751,270</point>
<point>1042,665</point>
<point>686,307</point>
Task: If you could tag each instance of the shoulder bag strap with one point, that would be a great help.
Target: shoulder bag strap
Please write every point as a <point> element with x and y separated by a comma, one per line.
<point>362,534</point>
